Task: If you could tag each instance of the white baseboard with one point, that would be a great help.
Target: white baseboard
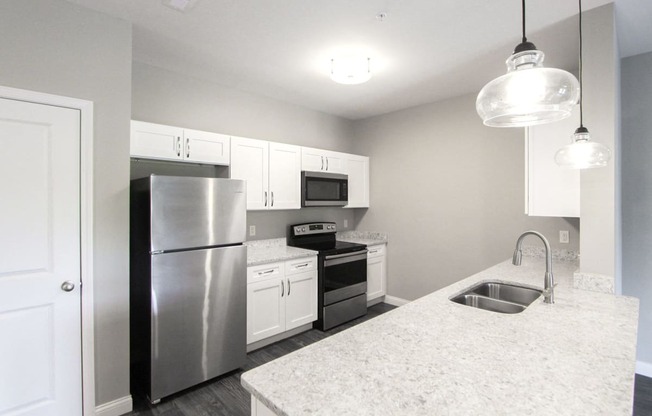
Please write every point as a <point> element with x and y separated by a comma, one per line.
<point>115,408</point>
<point>644,369</point>
<point>393,300</point>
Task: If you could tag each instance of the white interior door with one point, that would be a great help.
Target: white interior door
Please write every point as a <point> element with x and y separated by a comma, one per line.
<point>40,324</point>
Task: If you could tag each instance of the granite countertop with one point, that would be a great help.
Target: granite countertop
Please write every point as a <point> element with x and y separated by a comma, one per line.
<point>269,251</point>
<point>362,237</point>
<point>434,356</point>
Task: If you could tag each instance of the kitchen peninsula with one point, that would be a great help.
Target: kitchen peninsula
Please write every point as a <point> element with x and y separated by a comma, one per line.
<point>434,356</point>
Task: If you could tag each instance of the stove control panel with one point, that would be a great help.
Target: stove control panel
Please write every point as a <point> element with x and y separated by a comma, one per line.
<point>314,228</point>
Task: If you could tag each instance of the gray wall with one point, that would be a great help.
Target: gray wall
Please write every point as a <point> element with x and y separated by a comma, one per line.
<point>56,47</point>
<point>636,196</point>
<point>599,191</point>
<point>162,96</point>
<point>449,191</point>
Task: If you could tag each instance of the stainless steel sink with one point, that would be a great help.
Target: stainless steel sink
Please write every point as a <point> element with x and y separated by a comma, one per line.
<point>498,297</point>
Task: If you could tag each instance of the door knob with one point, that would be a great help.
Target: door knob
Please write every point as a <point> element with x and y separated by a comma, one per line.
<point>67,286</point>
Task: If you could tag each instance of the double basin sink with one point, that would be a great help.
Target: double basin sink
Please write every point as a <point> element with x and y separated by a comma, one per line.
<point>498,297</point>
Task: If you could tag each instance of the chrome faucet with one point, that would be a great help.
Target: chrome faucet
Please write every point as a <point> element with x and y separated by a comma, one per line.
<point>548,279</point>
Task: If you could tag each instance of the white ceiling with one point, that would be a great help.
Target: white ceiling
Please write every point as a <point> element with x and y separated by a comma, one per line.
<point>423,51</point>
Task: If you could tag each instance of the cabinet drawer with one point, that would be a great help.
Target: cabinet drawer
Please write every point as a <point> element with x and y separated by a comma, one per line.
<point>376,251</point>
<point>264,272</point>
<point>301,265</point>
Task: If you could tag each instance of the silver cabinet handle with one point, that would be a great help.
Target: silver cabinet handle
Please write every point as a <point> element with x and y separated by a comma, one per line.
<point>272,198</point>
<point>187,148</point>
<point>67,286</point>
<point>265,198</point>
<point>302,265</point>
<point>282,287</point>
<point>179,146</point>
<point>373,251</point>
<point>266,272</point>
<point>289,287</point>
<point>326,163</point>
<point>322,163</point>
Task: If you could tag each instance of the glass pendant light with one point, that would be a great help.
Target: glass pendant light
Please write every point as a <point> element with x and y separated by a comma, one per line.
<point>582,153</point>
<point>528,94</point>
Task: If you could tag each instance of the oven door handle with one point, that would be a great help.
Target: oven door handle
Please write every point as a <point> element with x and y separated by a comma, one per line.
<point>345,258</point>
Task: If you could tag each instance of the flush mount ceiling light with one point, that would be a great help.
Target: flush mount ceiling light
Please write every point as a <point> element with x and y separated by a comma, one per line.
<point>582,153</point>
<point>528,94</point>
<point>351,70</point>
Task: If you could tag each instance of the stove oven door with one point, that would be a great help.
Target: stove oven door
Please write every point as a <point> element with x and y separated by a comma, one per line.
<point>344,276</point>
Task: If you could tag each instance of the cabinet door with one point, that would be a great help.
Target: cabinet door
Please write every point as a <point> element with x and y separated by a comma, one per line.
<point>155,141</point>
<point>335,162</point>
<point>376,272</point>
<point>284,176</point>
<point>319,160</point>
<point>551,191</point>
<point>205,147</point>
<point>249,161</point>
<point>357,168</point>
<point>265,309</point>
<point>312,159</point>
<point>301,299</point>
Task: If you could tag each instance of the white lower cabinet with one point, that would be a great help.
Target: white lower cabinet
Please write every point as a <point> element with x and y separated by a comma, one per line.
<point>376,272</point>
<point>280,296</point>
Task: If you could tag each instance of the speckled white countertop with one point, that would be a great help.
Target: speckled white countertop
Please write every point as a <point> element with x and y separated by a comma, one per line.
<point>362,237</point>
<point>275,249</point>
<point>433,356</point>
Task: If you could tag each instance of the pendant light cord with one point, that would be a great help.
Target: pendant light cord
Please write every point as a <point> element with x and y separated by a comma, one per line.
<point>581,89</point>
<point>523,18</point>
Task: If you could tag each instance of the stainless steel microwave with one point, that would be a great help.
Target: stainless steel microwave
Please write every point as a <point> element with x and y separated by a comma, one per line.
<point>320,189</point>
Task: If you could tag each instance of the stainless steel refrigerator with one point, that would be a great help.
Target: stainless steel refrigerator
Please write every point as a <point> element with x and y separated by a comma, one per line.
<point>188,281</point>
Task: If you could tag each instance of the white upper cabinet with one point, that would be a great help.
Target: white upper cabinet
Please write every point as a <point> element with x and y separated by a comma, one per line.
<point>249,161</point>
<point>158,141</point>
<point>272,171</point>
<point>206,147</point>
<point>155,141</point>
<point>284,176</point>
<point>319,160</point>
<point>551,191</point>
<point>357,168</point>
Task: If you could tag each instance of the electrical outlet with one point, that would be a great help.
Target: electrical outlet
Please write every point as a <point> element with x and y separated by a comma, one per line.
<point>346,223</point>
<point>252,230</point>
<point>563,236</point>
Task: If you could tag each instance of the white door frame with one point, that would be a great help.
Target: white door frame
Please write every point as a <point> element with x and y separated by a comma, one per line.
<point>86,199</point>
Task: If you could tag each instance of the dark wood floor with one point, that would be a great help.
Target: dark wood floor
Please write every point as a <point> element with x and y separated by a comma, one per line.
<point>642,396</point>
<point>225,396</point>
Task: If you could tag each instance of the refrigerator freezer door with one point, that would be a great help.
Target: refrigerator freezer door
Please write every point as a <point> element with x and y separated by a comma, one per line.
<point>198,317</point>
<point>191,212</point>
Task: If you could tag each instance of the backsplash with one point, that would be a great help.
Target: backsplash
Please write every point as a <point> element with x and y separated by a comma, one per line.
<point>275,224</point>
<point>557,254</point>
